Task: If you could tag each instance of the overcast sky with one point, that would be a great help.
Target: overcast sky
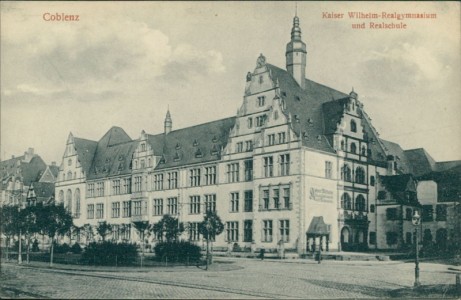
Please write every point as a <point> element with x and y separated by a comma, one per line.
<point>122,64</point>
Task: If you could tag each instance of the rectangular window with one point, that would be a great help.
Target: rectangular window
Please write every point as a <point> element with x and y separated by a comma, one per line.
<point>328,169</point>
<point>408,214</point>
<point>137,183</point>
<point>233,172</point>
<point>261,101</point>
<point>90,211</point>
<point>285,230</point>
<point>285,164</point>
<point>441,211</point>
<point>260,120</point>
<point>239,147</point>
<point>249,146</point>
<point>265,199</point>
<point>127,186</point>
<point>267,231</point>
<point>158,182</point>
<point>234,202</point>
<point>248,201</point>
<point>100,189</point>
<point>276,198</point>
<point>157,205</point>
<point>126,209</point>
<point>173,180</point>
<point>115,209</point>
<point>372,238</point>
<point>194,176</point>
<point>115,232</point>
<point>391,238</point>
<point>232,230</point>
<point>248,231</point>
<point>116,187</point>
<point>194,205</point>
<point>271,139</point>
<point>210,175</point>
<point>126,232</point>
<point>392,214</point>
<point>137,208</point>
<point>90,189</point>
<point>248,170</point>
<point>194,234</point>
<point>173,206</point>
<point>100,211</point>
<point>268,166</point>
<point>286,198</point>
<point>282,138</point>
<point>210,202</point>
<point>428,213</point>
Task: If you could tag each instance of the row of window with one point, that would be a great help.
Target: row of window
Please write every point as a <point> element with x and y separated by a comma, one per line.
<point>272,138</point>
<point>358,205</point>
<point>354,150</point>
<point>239,146</point>
<point>275,197</point>
<point>427,213</point>
<point>267,231</point>
<point>259,120</point>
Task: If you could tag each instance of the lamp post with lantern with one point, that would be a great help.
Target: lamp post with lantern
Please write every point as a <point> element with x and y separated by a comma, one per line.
<point>416,220</point>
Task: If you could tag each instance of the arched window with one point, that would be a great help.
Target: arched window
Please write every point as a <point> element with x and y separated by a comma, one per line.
<point>360,203</point>
<point>69,175</point>
<point>353,126</point>
<point>342,145</point>
<point>61,197</point>
<point>346,173</point>
<point>353,148</point>
<point>346,201</point>
<point>364,151</point>
<point>360,175</point>
<point>77,203</point>
<point>69,200</point>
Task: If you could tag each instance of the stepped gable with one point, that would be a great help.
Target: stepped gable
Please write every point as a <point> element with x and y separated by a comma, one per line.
<point>86,150</point>
<point>113,154</point>
<point>196,144</point>
<point>403,164</point>
<point>421,162</point>
<point>305,107</point>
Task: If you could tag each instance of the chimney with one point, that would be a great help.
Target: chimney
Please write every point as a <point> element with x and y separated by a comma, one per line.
<point>53,164</point>
<point>28,154</point>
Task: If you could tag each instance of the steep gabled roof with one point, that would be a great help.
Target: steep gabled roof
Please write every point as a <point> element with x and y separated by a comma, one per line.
<point>113,154</point>
<point>85,151</point>
<point>196,144</point>
<point>305,107</point>
<point>332,113</point>
<point>421,162</point>
<point>403,164</point>
<point>29,171</point>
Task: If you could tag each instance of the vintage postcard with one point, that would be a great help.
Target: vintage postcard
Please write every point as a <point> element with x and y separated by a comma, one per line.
<point>242,149</point>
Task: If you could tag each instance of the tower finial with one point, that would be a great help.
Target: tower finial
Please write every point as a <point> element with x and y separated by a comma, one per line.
<point>296,8</point>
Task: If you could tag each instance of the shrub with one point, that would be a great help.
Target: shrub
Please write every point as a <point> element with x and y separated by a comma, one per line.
<point>175,251</point>
<point>76,249</point>
<point>64,248</point>
<point>110,253</point>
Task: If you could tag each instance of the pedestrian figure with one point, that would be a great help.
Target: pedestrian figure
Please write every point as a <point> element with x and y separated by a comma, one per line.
<point>261,253</point>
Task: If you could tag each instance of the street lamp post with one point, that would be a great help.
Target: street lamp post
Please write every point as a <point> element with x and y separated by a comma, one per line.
<point>416,220</point>
<point>208,228</point>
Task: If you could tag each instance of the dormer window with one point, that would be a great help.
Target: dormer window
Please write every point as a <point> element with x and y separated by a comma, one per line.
<point>214,150</point>
<point>261,101</point>
<point>176,157</point>
<point>215,139</point>
<point>198,153</point>
<point>195,144</point>
<point>353,126</point>
<point>297,98</point>
<point>178,146</point>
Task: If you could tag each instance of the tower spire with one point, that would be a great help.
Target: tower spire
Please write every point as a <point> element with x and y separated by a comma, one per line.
<point>168,121</point>
<point>296,53</point>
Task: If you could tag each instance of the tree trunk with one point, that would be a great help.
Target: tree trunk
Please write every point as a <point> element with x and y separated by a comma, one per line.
<point>28,248</point>
<point>51,252</point>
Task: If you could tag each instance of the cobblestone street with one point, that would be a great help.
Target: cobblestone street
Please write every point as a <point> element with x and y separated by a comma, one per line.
<point>228,278</point>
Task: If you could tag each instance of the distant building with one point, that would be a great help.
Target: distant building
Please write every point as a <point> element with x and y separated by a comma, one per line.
<point>20,174</point>
<point>300,165</point>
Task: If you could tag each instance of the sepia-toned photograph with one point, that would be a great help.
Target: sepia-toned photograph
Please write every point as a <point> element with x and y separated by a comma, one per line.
<point>230,150</point>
